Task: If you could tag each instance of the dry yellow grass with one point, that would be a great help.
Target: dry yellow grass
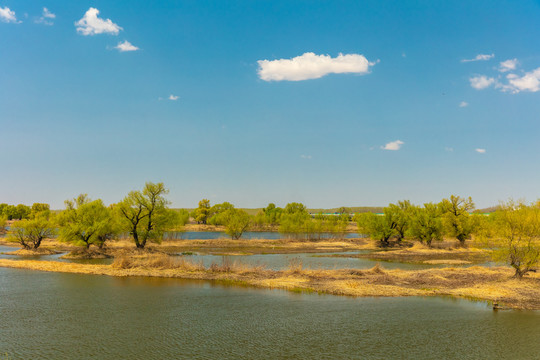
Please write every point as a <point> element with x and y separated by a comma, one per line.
<point>482,283</point>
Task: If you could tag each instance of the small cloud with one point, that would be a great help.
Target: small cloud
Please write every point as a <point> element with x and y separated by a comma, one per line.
<point>508,65</point>
<point>479,57</point>
<point>480,151</point>
<point>481,82</point>
<point>173,97</point>
<point>46,17</point>
<point>449,149</point>
<point>311,66</point>
<point>403,55</point>
<point>91,24</point>
<point>528,82</point>
<point>305,157</point>
<point>126,46</point>
<point>8,16</point>
<point>463,104</point>
<point>393,145</point>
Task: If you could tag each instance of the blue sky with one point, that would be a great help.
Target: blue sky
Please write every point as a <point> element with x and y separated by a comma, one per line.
<point>251,102</point>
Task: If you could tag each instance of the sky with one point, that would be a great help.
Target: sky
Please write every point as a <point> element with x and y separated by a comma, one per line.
<point>328,103</point>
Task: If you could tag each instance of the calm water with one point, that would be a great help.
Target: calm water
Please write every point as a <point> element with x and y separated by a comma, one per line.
<point>269,261</point>
<point>68,316</point>
<point>208,235</point>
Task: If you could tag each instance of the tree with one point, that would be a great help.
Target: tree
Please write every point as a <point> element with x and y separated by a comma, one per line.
<point>216,212</point>
<point>30,233</point>
<point>236,221</point>
<point>295,221</point>
<point>145,214</point>
<point>426,223</point>
<point>399,217</point>
<point>3,222</point>
<point>84,222</point>
<point>457,221</point>
<point>516,236</point>
<point>201,213</point>
<point>376,227</point>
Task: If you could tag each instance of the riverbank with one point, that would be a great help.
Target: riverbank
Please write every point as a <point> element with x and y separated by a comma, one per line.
<point>494,284</point>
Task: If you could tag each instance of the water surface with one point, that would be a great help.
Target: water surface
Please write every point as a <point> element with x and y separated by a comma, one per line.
<point>69,316</point>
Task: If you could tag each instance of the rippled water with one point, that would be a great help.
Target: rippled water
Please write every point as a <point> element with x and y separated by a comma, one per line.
<point>68,316</point>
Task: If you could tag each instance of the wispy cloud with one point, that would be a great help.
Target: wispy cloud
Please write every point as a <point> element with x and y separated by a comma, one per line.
<point>312,66</point>
<point>46,17</point>
<point>173,97</point>
<point>480,151</point>
<point>8,16</point>
<point>481,82</point>
<point>449,149</point>
<point>393,145</point>
<point>126,46</point>
<point>479,57</point>
<point>508,65</point>
<point>308,157</point>
<point>463,104</point>
<point>91,24</point>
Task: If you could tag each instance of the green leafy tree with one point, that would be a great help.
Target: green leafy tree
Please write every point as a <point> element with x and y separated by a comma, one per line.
<point>145,214</point>
<point>515,236</point>
<point>457,221</point>
<point>295,221</point>
<point>84,222</point>
<point>3,223</point>
<point>399,217</point>
<point>236,222</point>
<point>29,233</point>
<point>216,213</point>
<point>38,208</point>
<point>200,214</point>
<point>377,227</point>
<point>426,223</point>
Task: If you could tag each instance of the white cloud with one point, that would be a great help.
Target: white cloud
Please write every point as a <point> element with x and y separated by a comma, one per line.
<point>480,151</point>
<point>481,82</point>
<point>463,104</point>
<point>312,66</point>
<point>126,46</point>
<point>479,57</point>
<point>8,16</point>
<point>393,145</point>
<point>528,82</point>
<point>308,157</point>
<point>508,65</point>
<point>449,149</point>
<point>91,24</point>
<point>46,17</point>
<point>173,97</point>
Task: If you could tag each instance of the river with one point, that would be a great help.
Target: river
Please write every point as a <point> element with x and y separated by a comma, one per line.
<point>69,316</point>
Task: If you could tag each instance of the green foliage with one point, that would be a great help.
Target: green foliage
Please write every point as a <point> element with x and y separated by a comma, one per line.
<point>268,217</point>
<point>295,221</point>
<point>426,223</point>
<point>145,214</point>
<point>216,213</point>
<point>515,236</point>
<point>236,221</point>
<point>399,218</point>
<point>183,217</point>
<point>457,221</point>
<point>39,208</point>
<point>85,222</point>
<point>30,233</point>
<point>3,223</point>
<point>200,215</point>
<point>12,212</point>
<point>377,227</point>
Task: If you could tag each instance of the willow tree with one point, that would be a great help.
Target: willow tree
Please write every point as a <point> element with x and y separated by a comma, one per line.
<point>29,233</point>
<point>84,222</point>
<point>146,215</point>
<point>236,221</point>
<point>457,221</point>
<point>515,233</point>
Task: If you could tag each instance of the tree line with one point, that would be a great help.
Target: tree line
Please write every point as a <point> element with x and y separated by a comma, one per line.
<point>512,231</point>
